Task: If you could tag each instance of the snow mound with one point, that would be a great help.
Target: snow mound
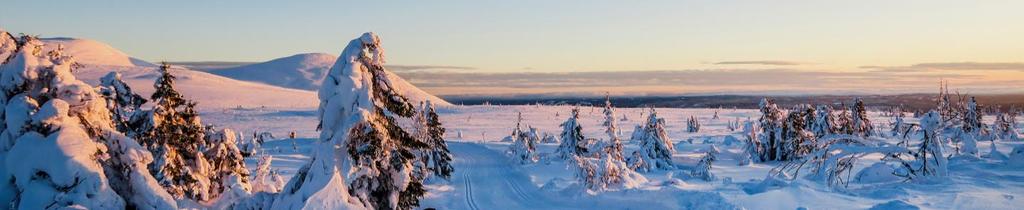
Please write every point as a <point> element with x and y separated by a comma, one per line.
<point>307,72</point>
<point>91,52</point>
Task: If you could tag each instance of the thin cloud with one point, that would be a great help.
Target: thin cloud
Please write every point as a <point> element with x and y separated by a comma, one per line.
<point>972,66</point>
<point>761,62</point>
<point>399,68</point>
<point>959,66</point>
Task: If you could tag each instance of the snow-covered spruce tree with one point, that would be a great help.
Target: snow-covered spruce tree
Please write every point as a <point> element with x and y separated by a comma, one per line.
<point>844,121</point>
<point>692,125</point>
<point>573,143</point>
<point>770,140</point>
<point>360,140</point>
<point>861,124</point>
<point>797,141</point>
<point>824,122</point>
<point>1005,127</point>
<point>972,129</point>
<point>122,102</point>
<point>655,147</point>
<point>929,154</point>
<point>173,133</point>
<point>226,163</point>
<point>58,148</point>
<point>438,158</point>
<point>703,168</point>
<point>614,146</point>
<point>523,147</point>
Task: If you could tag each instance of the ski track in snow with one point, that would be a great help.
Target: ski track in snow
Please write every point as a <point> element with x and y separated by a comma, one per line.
<point>492,183</point>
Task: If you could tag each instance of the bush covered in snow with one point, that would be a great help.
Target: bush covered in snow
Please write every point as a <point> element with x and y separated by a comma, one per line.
<point>59,144</point>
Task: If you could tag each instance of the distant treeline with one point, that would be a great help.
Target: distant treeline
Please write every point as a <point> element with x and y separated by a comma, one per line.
<point>909,102</point>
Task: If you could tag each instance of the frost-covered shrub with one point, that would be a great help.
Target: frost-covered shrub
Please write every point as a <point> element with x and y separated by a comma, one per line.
<point>1005,127</point>
<point>226,162</point>
<point>692,125</point>
<point>263,176</point>
<point>523,147</point>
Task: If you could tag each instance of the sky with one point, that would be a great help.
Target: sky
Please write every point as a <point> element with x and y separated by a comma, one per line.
<point>954,38</point>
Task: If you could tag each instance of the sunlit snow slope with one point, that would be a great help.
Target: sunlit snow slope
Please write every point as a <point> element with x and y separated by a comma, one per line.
<point>211,91</point>
<point>307,71</point>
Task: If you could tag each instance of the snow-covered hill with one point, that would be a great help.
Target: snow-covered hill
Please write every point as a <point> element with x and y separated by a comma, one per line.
<point>307,72</point>
<point>92,52</point>
<point>211,91</point>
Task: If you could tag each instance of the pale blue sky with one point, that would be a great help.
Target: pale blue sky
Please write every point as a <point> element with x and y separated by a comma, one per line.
<point>506,36</point>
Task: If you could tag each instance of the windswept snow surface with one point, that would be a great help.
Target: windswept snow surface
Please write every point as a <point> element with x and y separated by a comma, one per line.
<point>485,178</point>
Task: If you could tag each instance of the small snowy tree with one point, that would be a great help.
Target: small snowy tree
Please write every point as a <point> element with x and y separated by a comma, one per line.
<point>861,124</point>
<point>770,140</point>
<point>174,134</point>
<point>573,143</point>
<point>523,145</point>
<point>824,123</point>
<point>614,143</point>
<point>1005,127</point>
<point>703,168</point>
<point>692,125</point>
<point>438,158</point>
<point>225,161</point>
<point>262,179</point>
<point>797,141</point>
<point>121,101</point>
<point>929,154</point>
<point>655,147</point>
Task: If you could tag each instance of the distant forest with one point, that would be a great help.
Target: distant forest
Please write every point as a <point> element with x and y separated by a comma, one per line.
<point>909,102</point>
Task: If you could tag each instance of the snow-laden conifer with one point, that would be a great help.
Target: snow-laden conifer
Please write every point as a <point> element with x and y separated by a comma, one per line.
<point>523,147</point>
<point>656,148</point>
<point>59,147</point>
<point>364,159</point>
<point>824,122</point>
<point>572,141</point>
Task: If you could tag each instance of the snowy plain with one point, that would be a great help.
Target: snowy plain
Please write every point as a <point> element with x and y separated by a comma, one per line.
<point>485,178</point>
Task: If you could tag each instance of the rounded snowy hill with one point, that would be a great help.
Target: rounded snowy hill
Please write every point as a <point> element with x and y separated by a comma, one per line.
<point>211,91</point>
<point>92,52</point>
<point>307,71</point>
<point>302,71</point>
